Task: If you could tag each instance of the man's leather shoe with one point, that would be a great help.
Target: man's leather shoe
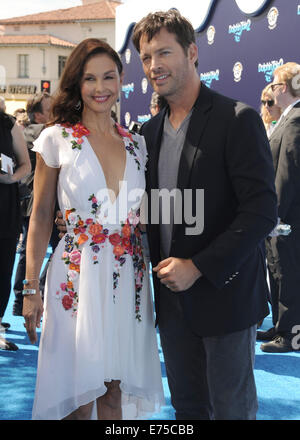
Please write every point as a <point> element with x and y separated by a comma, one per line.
<point>278,345</point>
<point>268,335</point>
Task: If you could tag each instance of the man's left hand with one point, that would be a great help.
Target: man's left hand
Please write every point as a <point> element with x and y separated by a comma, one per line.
<point>178,274</point>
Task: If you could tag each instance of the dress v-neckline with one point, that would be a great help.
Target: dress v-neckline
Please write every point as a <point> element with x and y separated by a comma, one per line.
<point>102,171</point>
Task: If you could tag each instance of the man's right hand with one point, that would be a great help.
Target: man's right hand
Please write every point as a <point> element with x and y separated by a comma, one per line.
<point>60,223</point>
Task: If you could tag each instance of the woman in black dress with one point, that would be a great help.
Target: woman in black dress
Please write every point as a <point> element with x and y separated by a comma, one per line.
<point>12,145</point>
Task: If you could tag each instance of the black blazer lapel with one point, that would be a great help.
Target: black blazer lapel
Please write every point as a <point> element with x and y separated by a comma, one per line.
<point>193,137</point>
<point>153,146</point>
<point>275,144</point>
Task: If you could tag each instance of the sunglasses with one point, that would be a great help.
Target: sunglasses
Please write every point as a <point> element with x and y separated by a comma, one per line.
<point>270,102</point>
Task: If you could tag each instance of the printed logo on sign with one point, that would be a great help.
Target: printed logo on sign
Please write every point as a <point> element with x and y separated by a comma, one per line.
<point>238,28</point>
<point>127,89</point>
<point>128,56</point>
<point>208,77</point>
<point>272,18</point>
<point>143,118</point>
<point>127,118</point>
<point>211,32</point>
<point>269,67</point>
<point>144,85</point>
<point>237,71</point>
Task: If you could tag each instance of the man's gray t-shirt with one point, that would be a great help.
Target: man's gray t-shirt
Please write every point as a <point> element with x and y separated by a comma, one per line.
<point>168,164</point>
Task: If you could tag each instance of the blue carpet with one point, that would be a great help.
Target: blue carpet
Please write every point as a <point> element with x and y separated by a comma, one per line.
<point>277,378</point>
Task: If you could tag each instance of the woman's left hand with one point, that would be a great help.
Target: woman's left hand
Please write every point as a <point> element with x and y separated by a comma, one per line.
<point>7,178</point>
<point>32,312</point>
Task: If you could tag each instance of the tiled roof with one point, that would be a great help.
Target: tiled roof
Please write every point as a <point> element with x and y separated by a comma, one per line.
<point>102,10</point>
<point>19,40</point>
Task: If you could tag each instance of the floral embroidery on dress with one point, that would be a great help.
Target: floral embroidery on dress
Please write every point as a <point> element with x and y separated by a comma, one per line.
<point>132,145</point>
<point>124,242</point>
<point>77,131</point>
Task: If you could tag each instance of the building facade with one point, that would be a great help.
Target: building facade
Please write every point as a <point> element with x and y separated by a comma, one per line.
<point>34,48</point>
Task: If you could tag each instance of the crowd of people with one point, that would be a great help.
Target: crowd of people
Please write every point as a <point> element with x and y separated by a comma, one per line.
<point>98,354</point>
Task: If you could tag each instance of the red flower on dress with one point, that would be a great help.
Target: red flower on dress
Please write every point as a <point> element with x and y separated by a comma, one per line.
<point>80,130</point>
<point>98,238</point>
<point>123,132</point>
<point>126,242</point>
<point>67,302</point>
<point>95,229</point>
<point>115,239</point>
<point>118,250</point>
<point>126,231</point>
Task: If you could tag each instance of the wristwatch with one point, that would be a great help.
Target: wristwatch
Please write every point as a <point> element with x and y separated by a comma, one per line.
<point>28,291</point>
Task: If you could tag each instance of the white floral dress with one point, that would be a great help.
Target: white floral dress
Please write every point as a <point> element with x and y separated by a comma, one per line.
<point>98,321</point>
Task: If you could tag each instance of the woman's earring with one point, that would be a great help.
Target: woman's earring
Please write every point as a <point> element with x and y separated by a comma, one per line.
<point>78,105</point>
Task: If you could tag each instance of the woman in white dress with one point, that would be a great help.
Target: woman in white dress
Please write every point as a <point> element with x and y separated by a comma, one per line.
<point>98,355</point>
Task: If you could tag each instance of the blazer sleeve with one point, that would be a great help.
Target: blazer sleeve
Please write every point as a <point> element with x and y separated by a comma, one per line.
<point>249,166</point>
<point>288,171</point>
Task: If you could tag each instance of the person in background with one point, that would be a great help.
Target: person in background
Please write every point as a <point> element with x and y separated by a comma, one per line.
<point>283,251</point>
<point>13,146</point>
<point>21,117</point>
<point>38,111</point>
<point>270,112</point>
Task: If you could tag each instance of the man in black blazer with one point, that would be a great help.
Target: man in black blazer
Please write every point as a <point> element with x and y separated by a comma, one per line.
<point>283,252</point>
<point>210,277</point>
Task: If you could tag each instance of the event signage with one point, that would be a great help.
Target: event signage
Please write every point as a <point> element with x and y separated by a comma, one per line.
<point>269,67</point>
<point>238,28</point>
<point>239,50</point>
<point>208,77</point>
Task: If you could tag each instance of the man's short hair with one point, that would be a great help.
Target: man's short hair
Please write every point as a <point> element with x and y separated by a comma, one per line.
<point>289,73</point>
<point>34,105</point>
<point>170,20</point>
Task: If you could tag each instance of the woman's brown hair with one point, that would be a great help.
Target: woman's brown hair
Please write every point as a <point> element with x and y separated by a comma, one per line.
<point>67,105</point>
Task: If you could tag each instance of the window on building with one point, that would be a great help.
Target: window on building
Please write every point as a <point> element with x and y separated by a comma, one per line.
<point>61,64</point>
<point>23,66</point>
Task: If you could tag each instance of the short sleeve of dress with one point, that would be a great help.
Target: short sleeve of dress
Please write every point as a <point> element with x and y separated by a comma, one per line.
<point>141,150</point>
<point>47,145</point>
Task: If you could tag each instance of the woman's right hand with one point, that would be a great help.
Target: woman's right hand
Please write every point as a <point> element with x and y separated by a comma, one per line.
<point>32,312</point>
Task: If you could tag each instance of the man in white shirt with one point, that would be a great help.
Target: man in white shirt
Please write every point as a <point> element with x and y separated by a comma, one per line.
<point>283,252</point>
